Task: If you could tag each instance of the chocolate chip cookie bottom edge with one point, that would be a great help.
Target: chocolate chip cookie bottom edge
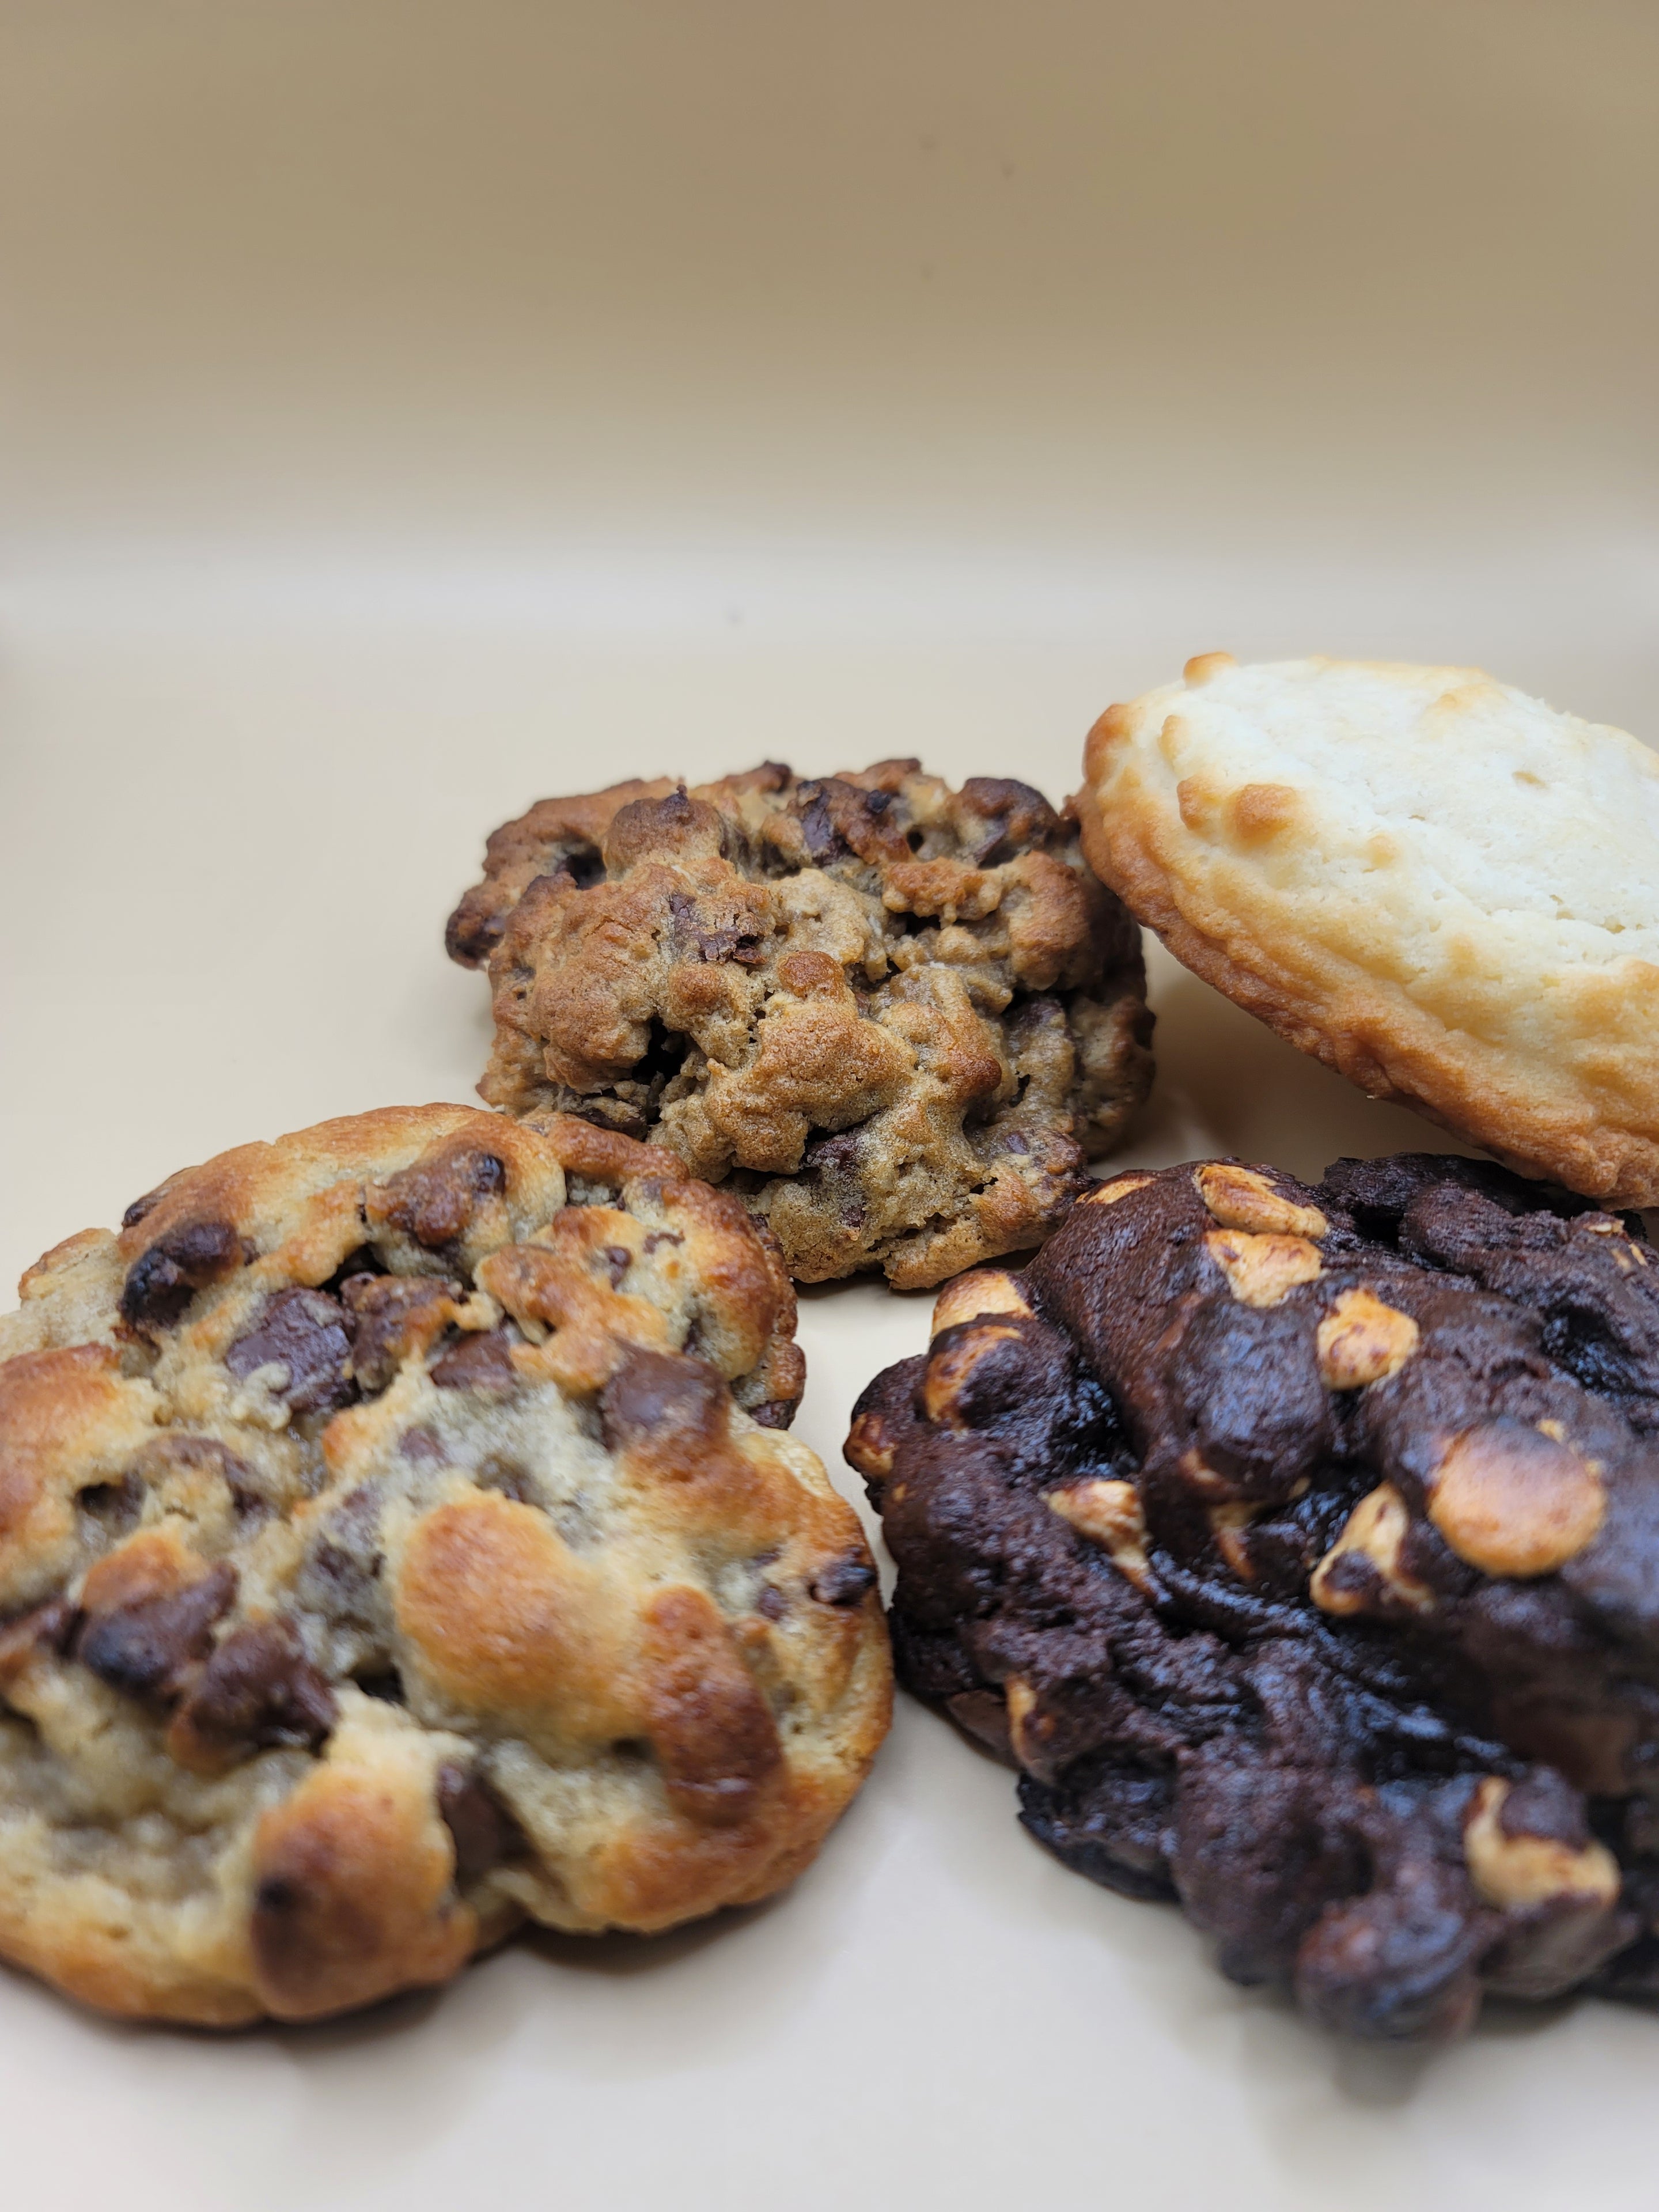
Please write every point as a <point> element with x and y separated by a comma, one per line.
<point>400,1539</point>
<point>1300,1546</point>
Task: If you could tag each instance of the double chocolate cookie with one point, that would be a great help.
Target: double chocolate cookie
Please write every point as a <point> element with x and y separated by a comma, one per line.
<point>1301,1546</point>
<point>397,1538</point>
<point>896,1018</point>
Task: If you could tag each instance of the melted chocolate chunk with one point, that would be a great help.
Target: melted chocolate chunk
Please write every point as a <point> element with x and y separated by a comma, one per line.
<point>257,1691</point>
<point>389,1317</point>
<point>846,1580</point>
<point>481,1361</point>
<point>305,1332</point>
<point>147,1651</point>
<point>656,1396</point>
<point>483,1832</point>
<point>162,1282</point>
<point>434,1202</point>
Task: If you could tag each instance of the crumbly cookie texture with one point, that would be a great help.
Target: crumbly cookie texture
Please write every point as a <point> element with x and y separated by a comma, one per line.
<point>397,1539</point>
<point>1441,888</point>
<point>897,1017</point>
<point>1300,1547</point>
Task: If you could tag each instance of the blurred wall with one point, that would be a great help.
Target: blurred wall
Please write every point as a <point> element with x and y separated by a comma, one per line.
<point>1305,273</point>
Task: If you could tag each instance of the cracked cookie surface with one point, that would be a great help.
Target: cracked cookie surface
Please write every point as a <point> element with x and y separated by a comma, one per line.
<point>1301,1548</point>
<point>398,1539</point>
<point>897,1017</point>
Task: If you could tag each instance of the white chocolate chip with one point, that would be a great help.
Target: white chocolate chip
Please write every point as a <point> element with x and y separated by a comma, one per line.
<point>1108,1513</point>
<point>1362,1340</point>
<point>1117,1187</point>
<point>1523,1870</point>
<point>948,1369</point>
<point>1516,1501</point>
<point>1261,1270</point>
<point>1374,1531</point>
<point>980,1290</point>
<point>1243,1198</point>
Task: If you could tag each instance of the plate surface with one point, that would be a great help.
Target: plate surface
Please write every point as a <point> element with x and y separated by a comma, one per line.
<point>428,409</point>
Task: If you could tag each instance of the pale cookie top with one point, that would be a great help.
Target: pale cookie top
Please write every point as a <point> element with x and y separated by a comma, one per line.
<point>396,1538</point>
<point>1445,888</point>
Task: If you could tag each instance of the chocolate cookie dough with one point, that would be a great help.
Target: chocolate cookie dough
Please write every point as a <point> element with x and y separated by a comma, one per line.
<point>1300,1547</point>
<point>896,1018</point>
<point>398,1539</point>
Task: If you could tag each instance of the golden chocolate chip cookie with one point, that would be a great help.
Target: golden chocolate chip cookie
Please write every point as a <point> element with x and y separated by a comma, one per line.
<point>896,1018</point>
<point>397,1539</point>
<point>1443,888</point>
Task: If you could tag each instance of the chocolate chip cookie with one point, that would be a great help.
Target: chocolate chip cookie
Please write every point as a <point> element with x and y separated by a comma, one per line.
<point>399,1537</point>
<point>1300,1547</point>
<point>894,1017</point>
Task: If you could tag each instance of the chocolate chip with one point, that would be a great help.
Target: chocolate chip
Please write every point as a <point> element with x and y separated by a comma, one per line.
<point>162,1282</point>
<point>48,1627</point>
<point>771,1604</point>
<point>775,1414</point>
<point>140,1207</point>
<point>434,1200</point>
<point>482,1833</point>
<point>1011,814</point>
<point>481,1361</point>
<point>422,1447</point>
<point>146,1651</point>
<point>661,1395</point>
<point>845,1581</point>
<point>388,1317</point>
<point>700,936</point>
<point>617,1260</point>
<point>257,1690</point>
<point>306,1333</point>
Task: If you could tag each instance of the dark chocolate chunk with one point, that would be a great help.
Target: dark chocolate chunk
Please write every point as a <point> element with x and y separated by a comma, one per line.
<point>483,1832</point>
<point>257,1690</point>
<point>481,1361</point>
<point>148,1650</point>
<point>161,1281</point>
<point>306,1333</point>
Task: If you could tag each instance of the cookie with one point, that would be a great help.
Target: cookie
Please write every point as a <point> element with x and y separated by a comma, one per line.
<point>1440,887</point>
<point>896,1018</point>
<point>1300,1547</point>
<point>398,1539</point>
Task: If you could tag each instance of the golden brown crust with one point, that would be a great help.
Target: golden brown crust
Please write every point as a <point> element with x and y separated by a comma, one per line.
<point>895,1015</point>
<point>387,1554</point>
<point>1538,1046</point>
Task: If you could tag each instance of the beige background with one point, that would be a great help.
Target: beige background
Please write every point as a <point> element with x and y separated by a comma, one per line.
<point>410,410</point>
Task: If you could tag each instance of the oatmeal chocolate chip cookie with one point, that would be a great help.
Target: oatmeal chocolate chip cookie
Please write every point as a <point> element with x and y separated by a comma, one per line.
<point>397,1539</point>
<point>1444,890</point>
<point>895,1016</point>
<point>1300,1547</point>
